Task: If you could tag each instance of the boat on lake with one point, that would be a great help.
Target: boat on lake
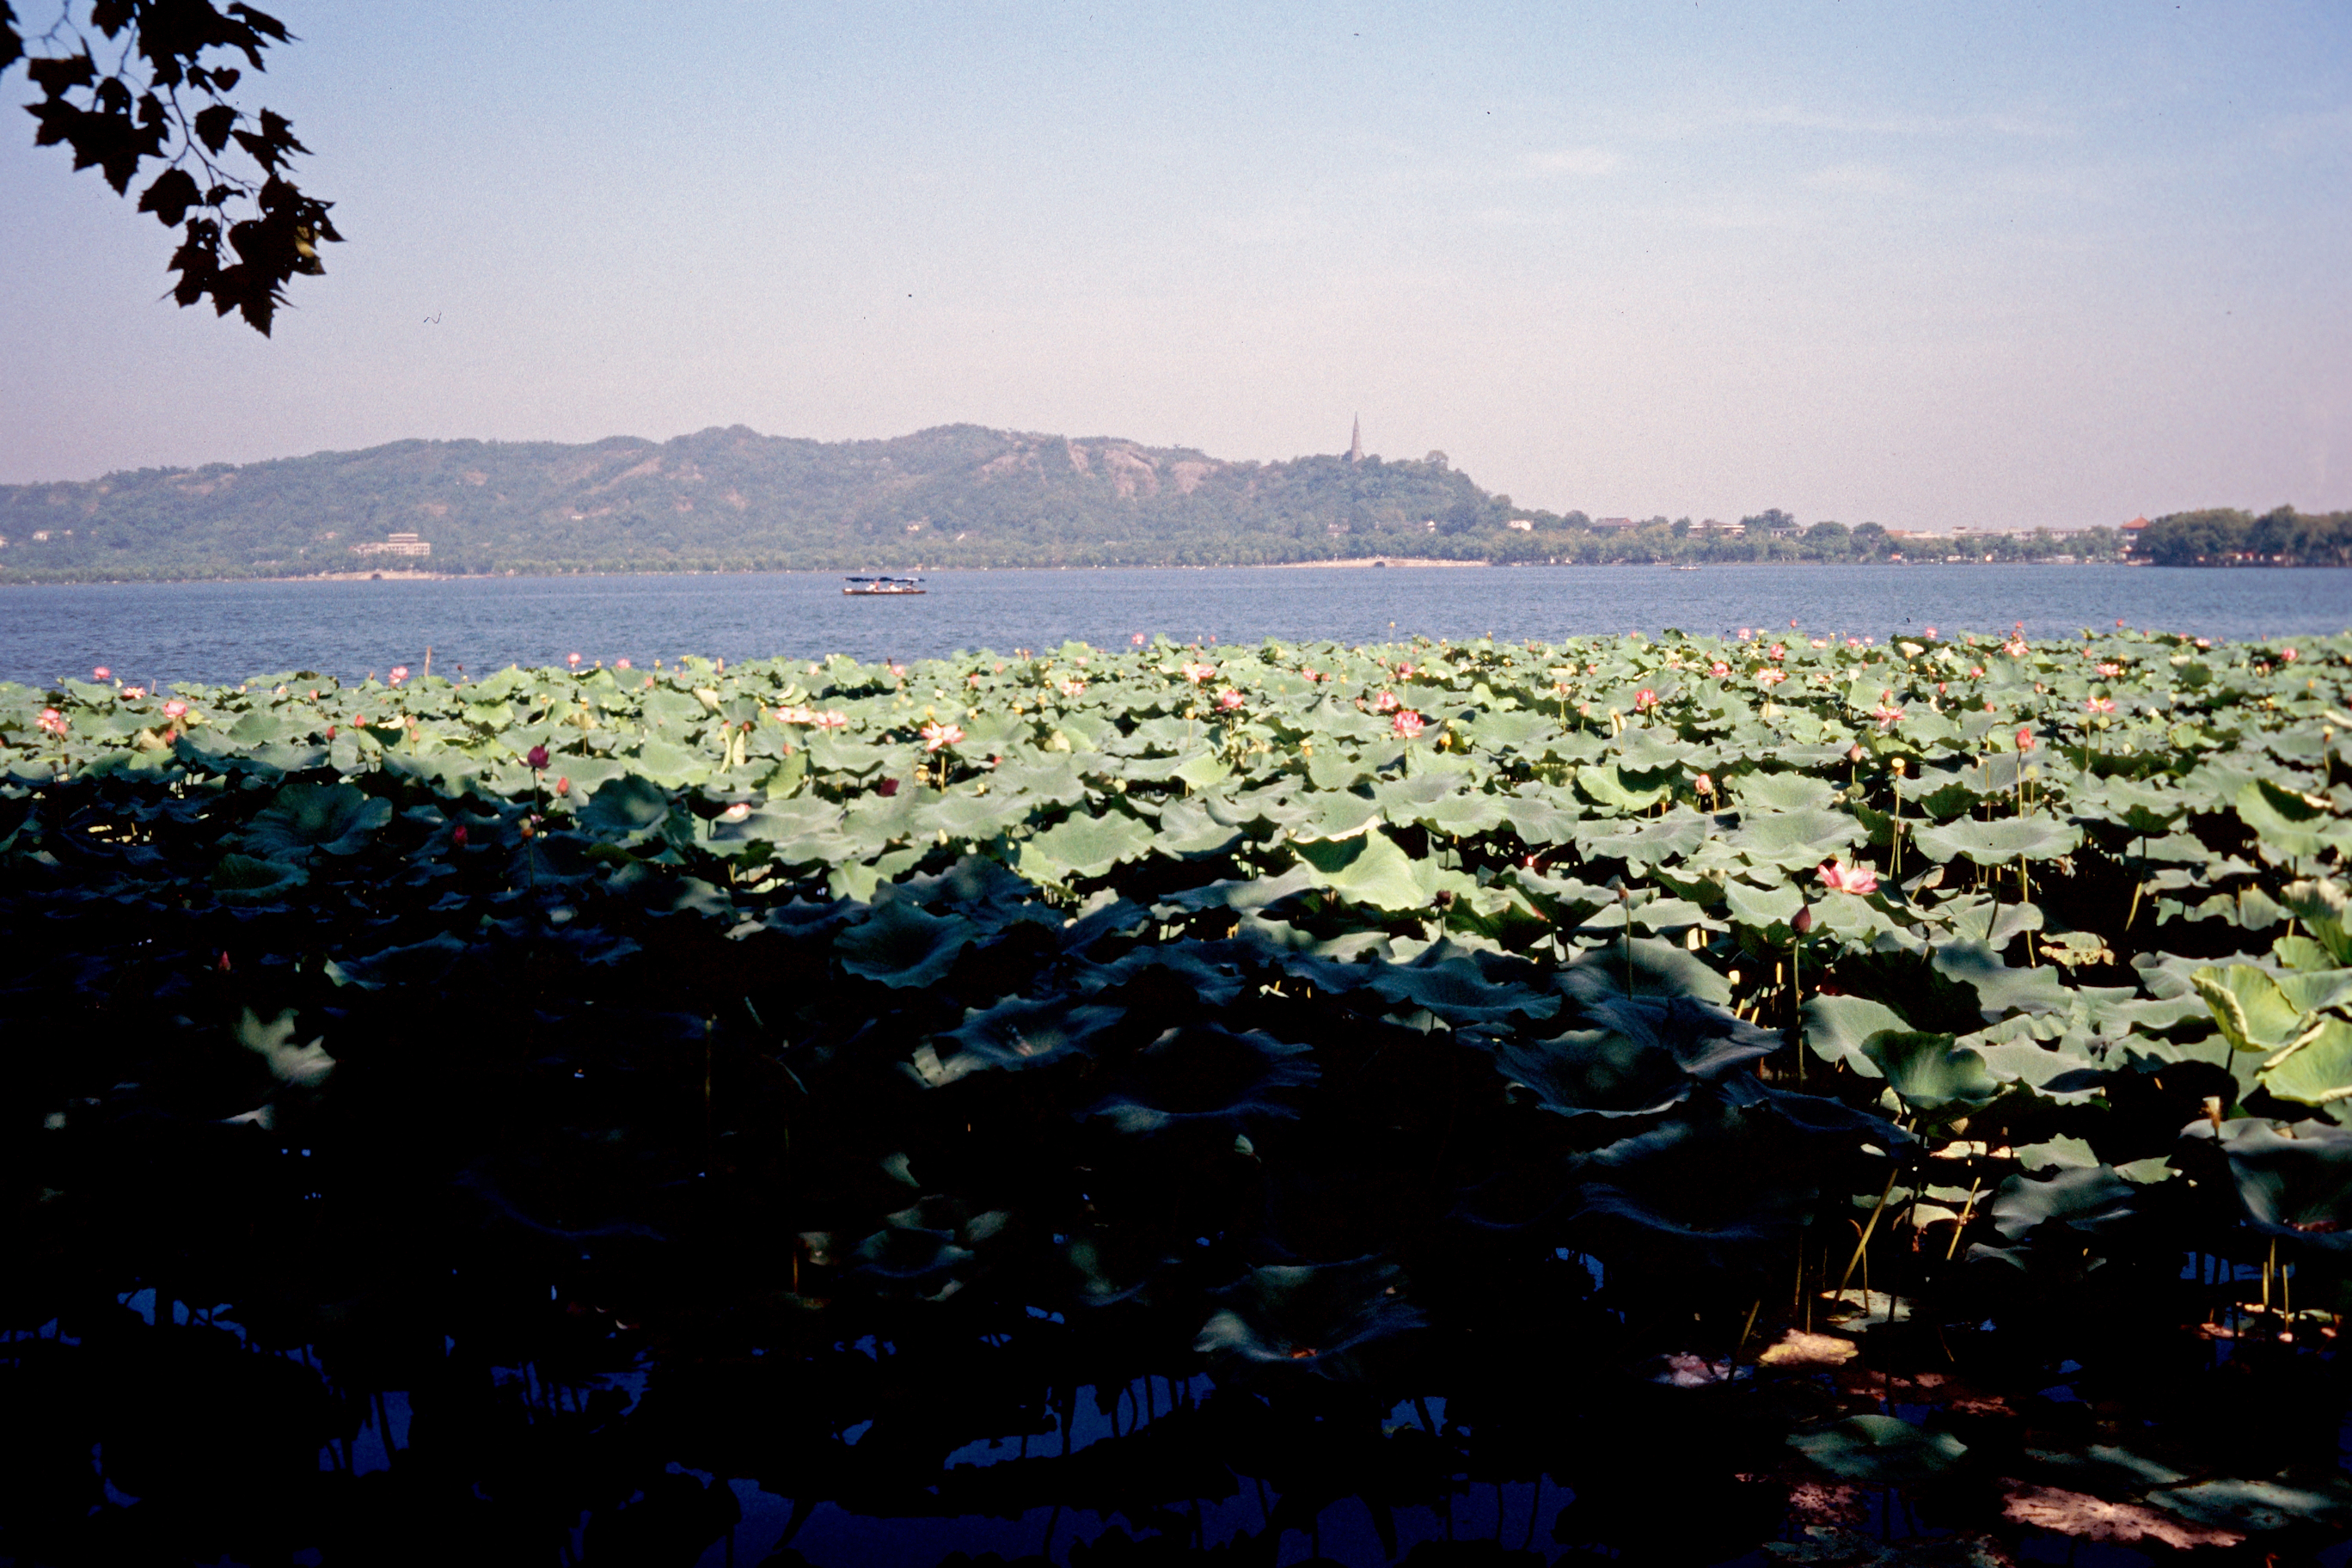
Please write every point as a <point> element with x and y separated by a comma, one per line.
<point>876,587</point>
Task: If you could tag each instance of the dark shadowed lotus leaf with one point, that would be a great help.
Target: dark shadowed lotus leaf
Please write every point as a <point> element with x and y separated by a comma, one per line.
<point>2298,1187</point>
<point>925,1250</point>
<point>1594,1072</point>
<point>1735,1173</point>
<point>902,945</point>
<point>337,819</point>
<point>1206,1076</point>
<point>1450,982</point>
<point>1309,1320</point>
<point>425,963</point>
<point>2087,1201</point>
<point>1935,1076</point>
<point>1879,1450</point>
<point>246,879</point>
<point>1016,1034</point>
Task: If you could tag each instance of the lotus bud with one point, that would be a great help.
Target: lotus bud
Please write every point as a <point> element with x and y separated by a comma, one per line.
<point>458,835</point>
<point>536,759</point>
<point>886,788</point>
<point>1805,920</point>
<point>1855,754</point>
<point>564,787</point>
<point>529,828</point>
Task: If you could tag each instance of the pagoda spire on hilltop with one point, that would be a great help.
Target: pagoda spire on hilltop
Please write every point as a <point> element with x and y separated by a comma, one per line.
<point>1356,441</point>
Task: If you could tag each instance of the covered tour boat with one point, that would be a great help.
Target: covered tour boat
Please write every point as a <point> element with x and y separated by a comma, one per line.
<point>874,586</point>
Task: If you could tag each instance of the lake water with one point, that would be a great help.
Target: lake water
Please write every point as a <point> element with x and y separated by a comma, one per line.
<point>227,631</point>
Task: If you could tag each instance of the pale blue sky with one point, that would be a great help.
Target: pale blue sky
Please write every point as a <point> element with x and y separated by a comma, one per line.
<point>1999,265</point>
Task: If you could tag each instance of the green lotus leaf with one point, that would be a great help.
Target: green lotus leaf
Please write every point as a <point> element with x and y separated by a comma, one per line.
<point>1795,839</point>
<point>301,1066</point>
<point>1999,988</point>
<point>628,808</point>
<point>1645,841</point>
<point>901,944</point>
<point>1781,792</point>
<point>1205,1076</point>
<point>2289,827</point>
<point>1366,869</point>
<point>426,963</point>
<point>2088,1202</point>
<point>2255,1012</point>
<point>2296,1188</point>
<point>1458,991</point>
<point>1879,1450</point>
<point>1765,908</point>
<point>333,819</point>
<point>1307,1320</point>
<point>1018,1034</point>
<point>1999,842</point>
<point>1083,846</point>
<point>2327,915</point>
<point>1836,1027</point>
<point>1930,1073</point>
<point>2317,1070</point>
<point>1655,970</point>
<point>2258,1508</point>
<point>1605,784</point>
<point>248,879</point>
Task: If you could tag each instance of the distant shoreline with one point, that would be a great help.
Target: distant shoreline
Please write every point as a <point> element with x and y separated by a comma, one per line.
<point>1356,561</point>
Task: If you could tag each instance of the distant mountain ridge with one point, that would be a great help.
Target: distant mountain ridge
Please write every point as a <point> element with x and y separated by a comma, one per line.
<point>957,495</point>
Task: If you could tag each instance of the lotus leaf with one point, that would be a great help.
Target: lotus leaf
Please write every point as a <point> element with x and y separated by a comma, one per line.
<point>1366,869</point>
<point>332,818</point>
<point>1793,840</point>
<point>1016,1034</point>
<point>1207,1077</point>
<point>2088,1202</point>
<point>1083,846</point>
<point>1308,1321</point>
<point>1999,842</point>
<point>1879,1450</point>
<point>626,808</point>
<point>2258,1012</point>
<point>1934,1077</point>
<point>2258,1507</point>
<point>2297,1187</point>
<point>248,879</point>
<point>901,944</point>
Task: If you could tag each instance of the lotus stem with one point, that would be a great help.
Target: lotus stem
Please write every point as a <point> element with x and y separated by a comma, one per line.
<point>1967,1209</point>
<point>1861,1243</point>
<point>1744,1331</point>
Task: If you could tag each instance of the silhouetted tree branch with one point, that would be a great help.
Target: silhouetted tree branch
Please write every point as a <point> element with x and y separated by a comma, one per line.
<point>128,82</point>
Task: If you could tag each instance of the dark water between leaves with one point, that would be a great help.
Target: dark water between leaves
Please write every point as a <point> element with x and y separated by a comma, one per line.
<point>227,631</point>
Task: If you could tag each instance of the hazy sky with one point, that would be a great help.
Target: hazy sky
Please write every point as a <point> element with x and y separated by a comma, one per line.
<point>2001,265</point>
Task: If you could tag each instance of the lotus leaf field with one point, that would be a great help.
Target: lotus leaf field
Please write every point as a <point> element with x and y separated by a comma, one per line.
<point>1673,1098</point>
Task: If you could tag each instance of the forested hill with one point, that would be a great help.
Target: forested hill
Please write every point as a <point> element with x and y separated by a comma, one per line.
<point>955,496</point>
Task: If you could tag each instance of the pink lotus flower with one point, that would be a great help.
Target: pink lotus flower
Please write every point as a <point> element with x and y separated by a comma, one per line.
<point>573,660</point>
<point>535,758</point>
<point>175,708</point>
<point>102,673</point>
<point>1408,724</point>
<point>133,693</point>
<point>1975,672</point>
<point>1719,669</point>
<point>739,812</point>
<point>2015,648</point>
<point>1771,677</point>
<point>1931,631</point>
<point>1888,716</point>
<point>2100,705</point>
<point>1404,672</point>
<point>2025,741</point>
<point>1746,632</point>
<point>1704,783</point>
<point>1197,672</point>
<point>1779,652</point>
<point>620,664</point>
<point>1387,703</point>
<point>399,673</point>
<point>2111,670</point>
<point>1839,879</point>
<point>1229,699</point>
<point>1072,688</point>
<point>832,719</point>
<point>1645,699</point>
<point>795,714</point>
<point>1137,639</point>
<point>2204,642</point>
<point>2289,654</point>
<point>1820,642</point>
<point>51,720</point>
<point>938,735</point>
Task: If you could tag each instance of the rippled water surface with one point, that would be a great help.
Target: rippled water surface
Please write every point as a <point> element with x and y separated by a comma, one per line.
<point>225,631</point>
